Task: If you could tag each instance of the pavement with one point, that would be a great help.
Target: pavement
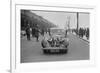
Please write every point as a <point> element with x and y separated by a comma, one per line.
<point>84,38</point>
<point>31,51</point>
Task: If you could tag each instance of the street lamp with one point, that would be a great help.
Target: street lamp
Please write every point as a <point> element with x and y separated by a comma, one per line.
<point>77,14</point>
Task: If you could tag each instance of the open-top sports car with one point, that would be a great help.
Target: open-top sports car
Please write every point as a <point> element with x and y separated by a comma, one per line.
<point>55,44</point>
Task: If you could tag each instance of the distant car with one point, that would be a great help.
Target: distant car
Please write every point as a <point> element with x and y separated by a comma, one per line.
<point>57,43</point>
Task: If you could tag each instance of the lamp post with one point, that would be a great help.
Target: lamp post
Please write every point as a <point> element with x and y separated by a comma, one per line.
<point>77,14</point>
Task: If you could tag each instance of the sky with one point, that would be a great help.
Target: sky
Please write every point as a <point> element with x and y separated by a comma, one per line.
<point>61,18</point>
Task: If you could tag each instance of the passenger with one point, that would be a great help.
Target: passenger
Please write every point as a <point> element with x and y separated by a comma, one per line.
<point>57,42</point>
<point>50,40</point>
<point>44,43</point>
<point>53,42</point>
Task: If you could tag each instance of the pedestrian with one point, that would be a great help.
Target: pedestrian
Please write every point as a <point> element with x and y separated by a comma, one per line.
<point>37,33</point>
<point>80,31</point>
<point>28,32</point>
<point>42,33</point>
<point>33,32</point>
<point>87,33</point>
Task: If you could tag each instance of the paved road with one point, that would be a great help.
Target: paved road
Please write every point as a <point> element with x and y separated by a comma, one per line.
<point>31,51</point>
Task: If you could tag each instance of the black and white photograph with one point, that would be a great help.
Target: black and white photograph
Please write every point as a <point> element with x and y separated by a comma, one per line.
<point>48,36</point>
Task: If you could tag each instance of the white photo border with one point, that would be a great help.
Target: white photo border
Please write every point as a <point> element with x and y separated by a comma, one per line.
<point>15,45</point>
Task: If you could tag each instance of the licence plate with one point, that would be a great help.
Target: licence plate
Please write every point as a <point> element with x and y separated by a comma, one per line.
<point>55,50</point>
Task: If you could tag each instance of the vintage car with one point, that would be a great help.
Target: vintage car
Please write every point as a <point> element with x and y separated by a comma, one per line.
<point>57,43</point>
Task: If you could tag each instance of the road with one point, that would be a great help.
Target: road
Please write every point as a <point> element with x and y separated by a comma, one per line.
<point>31,51</point>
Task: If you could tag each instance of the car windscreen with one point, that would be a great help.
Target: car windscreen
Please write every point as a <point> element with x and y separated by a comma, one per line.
<point>57,31</point>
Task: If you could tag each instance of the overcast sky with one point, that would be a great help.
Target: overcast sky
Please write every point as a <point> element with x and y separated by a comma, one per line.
<point>61,18</point>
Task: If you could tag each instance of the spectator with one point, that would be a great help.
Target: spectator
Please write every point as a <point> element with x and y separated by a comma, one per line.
<point>87,33</point>
<point>37,32</point>
<point>28,32</point>
<point>42,33</point>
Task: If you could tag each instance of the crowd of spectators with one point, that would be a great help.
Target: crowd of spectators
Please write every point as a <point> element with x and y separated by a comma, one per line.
<point>81,32</point>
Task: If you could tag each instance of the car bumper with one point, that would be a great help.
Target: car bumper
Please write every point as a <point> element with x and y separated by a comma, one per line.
<point>55,51</point>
